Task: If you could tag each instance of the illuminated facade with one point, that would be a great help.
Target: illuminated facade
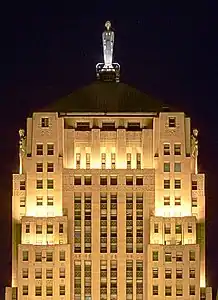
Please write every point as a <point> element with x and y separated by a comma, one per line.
<point>108,203</point>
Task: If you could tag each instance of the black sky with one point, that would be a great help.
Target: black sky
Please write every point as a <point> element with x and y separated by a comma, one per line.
<point>168,51</point>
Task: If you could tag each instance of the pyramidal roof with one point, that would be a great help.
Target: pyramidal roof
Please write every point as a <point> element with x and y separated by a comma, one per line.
<point>106,97</point>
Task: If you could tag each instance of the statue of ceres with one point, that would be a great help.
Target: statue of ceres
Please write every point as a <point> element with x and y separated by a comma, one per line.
<point>108,44</point>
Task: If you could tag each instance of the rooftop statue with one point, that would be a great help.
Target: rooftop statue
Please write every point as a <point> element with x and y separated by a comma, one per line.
<point>108,44</point>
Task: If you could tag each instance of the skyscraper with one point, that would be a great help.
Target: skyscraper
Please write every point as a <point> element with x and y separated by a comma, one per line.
<point>108,202</point>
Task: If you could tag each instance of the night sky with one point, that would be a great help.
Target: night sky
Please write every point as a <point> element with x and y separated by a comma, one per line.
<point>168,51</point>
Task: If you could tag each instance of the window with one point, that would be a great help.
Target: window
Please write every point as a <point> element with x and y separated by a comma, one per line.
<point>38,256</point>
<point>39,184</point>
<point>62,272</point>
<point>133,126</point>
<point>166,149</point>
<point>194,202</point>
<point>25,273</point>
<point>177,167</point>
<point>50,149</point>
<point>113,160</point>
<point>62,255</point>
<point>39,200</point>
<point>38,229</point>
<point>83,126</point>
<point>49,273</point>
<point>155,272</point>
<point>179,256</point>
<point>178,229</point>
<point>177,201</point>
<point>88,160</point>
<point>50,184</point>
<point>103,160</point>
<point>38,273</point>
<point>39,167</point>
<point>194,185</point>
<point>62,290</point>
<point>129,180</point>
<point>108,126</point>
<point>139,180</point>
<point>166,184</point>
<point>49,291</point>
<point>25,290</point>
<point>166,167</point>
<point>27,228</point>
<point>77,180</point>
<point>39,149</point>
<point>191,255</point>
<point>78,160</point>
<point>166,200</point>
<point>128,160</point>
<point>22,185</point>
<point>103,180</point>
<point>61,228</point>
<point>88,180</point>
<point>167,228</point>
<point>168,290</point>
<point>50,201</point>
<point>156,227</point>
<point>177,184</point>
<point>49,229</point>
<point>191,273</point>
<point>49,256</point>
<point>168,273</point>
<point>155,255</point>
<point>172,122</point>
<point>168,256</point>
<point>138,160</point>
<point>38,291</point>
<point>189,227</point>
<point>113,180</point>
<point>44,122</point>
<point>179,290</point>
<point>177,149</point>
<point>155,290</point>
<point>179,273</point>
<point>192,290</point>
<point>50,167</point>
<point>25,255</point>
<point>22,202</point>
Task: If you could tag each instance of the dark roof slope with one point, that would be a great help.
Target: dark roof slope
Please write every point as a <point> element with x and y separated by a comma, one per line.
<point>106,97</point>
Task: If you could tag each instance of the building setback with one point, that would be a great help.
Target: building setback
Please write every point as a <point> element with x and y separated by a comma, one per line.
<point>108,202</point>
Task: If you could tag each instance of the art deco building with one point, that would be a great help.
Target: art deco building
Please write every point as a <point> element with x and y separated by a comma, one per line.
<point>108,202</point>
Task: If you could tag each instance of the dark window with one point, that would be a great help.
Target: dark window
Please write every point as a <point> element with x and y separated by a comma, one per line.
<point>166,149</point>
<point>108,126</point>
<point>166,184</point>
<point>39,149</point>
<point>45,122</point>
<point>77,180</point>
<point>139,180</point>
<point>103,180</point>
<point>172,122</point>
<point>61,228</point>
<point>83,126</point>
<point>50,183</point>
<point>88,180</point>
<point>133,126</point>
<point>50,149</point>
<point>22,185</point>
<point>113,180</point>
<point>50,167</point>
<point>39,167</point>
<point>129,180</point>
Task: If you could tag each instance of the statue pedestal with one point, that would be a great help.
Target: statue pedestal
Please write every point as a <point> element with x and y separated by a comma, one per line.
<point>108,73</point>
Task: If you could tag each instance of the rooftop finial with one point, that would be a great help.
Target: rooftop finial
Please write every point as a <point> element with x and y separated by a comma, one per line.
<point>108,71</point>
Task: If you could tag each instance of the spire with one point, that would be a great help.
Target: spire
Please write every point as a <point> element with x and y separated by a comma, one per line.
<point>108,71</point>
